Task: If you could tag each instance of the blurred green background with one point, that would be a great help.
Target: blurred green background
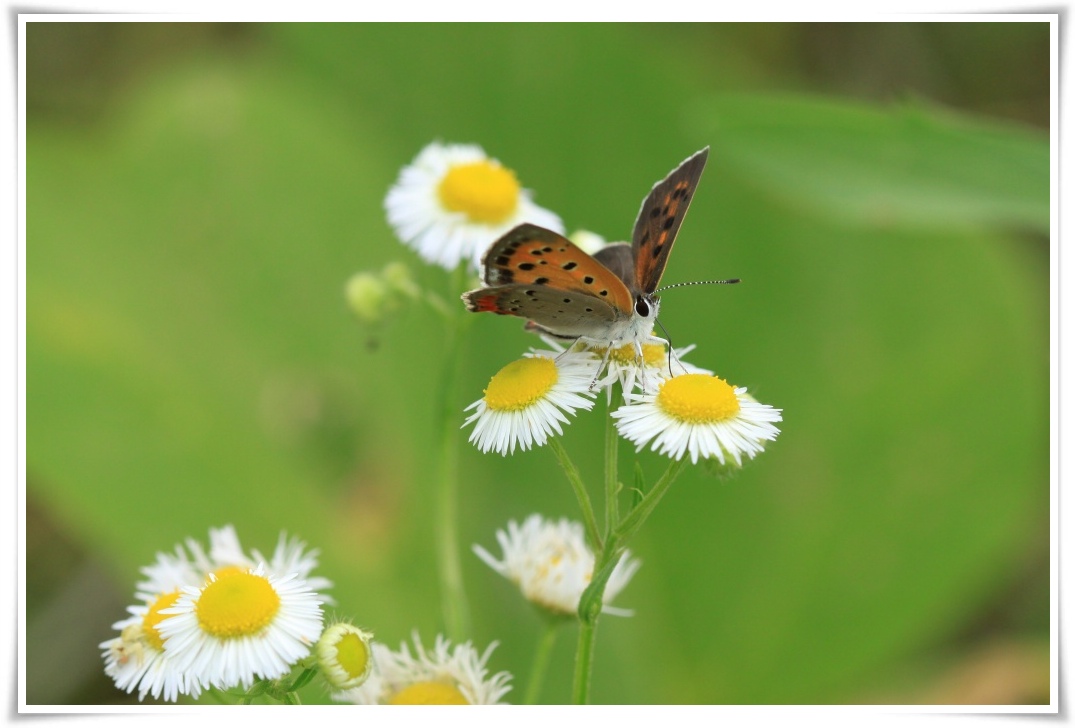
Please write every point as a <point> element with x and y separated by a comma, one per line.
<point>198,194</point>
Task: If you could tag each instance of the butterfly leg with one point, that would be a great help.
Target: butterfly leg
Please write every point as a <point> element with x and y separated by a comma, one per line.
<point>568,348</point>
<point>640,364</point>
<point>600,369</point>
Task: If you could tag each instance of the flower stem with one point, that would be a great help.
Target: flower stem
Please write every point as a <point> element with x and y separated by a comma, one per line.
<point>593,597</point>
<point>642,511</point>
<point>579,487</point>
<point>453,596</point>
<point>541,662</point>
<point>612,440</point>
<point>580,692</point>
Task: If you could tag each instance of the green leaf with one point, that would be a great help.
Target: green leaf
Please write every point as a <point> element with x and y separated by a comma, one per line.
<point>909,164</point>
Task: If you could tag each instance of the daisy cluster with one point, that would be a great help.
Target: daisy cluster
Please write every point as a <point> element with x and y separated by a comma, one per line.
<point>217,619</point>
<point>221,619</point>
<point>676,408</point>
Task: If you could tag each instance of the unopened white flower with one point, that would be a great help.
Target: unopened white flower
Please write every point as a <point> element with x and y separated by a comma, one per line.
<point>552,565</point>
<point>525,401</point>
<point>445,675</point>
<point>699,415</point>
<point>242,625</point>
<point>453,201</point>
<point>344,655</point>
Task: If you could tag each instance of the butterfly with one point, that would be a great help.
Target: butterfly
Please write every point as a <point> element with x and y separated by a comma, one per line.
<point>607,299</point>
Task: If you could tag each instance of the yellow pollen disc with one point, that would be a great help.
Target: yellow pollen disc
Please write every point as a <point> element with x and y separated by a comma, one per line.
<point>236,604</point>
<point>429,693</point>
<point>652,354</point>
<point>483,190</point>
<point>698,399</point>
<point>352,655</point>
<point>521,384</point>
<point>154,617</point>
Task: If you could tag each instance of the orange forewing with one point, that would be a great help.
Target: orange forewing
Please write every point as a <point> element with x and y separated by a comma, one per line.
<point>532,255</point>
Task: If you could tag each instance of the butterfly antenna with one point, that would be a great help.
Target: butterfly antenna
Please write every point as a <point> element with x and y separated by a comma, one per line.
<point>671,351</point>
<point>696,283</point>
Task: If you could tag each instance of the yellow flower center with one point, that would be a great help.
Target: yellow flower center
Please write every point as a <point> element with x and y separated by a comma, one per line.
<point>652,354</point>
<point>236,604</point>
<point>429,693</point>
<point>484,191</point>
<point>154,617</point>
<point>352,655</point>
<point>698,399</point>
<point>521,384</point>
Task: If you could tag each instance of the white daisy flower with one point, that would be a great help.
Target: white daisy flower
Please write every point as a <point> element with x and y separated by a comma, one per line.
<point>525,401</point>
<point>453,201</point>
<point>698,414</point>
<point>442,676</point>
<point>242,625</point>
<point>344,655</point>
<point>136,659</point>
<point>552,565</point>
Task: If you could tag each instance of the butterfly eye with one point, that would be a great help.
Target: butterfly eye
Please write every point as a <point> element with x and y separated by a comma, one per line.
<point>642,307</point>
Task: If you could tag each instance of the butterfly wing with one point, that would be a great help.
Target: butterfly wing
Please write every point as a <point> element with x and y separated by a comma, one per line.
<point>562,313</point>
<point>529,255</point>
<point>659,219</point>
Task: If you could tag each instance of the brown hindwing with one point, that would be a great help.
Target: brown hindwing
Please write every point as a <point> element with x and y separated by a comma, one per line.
<point>564,313</point>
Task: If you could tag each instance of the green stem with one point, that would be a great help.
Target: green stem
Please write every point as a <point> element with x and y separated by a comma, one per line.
<point>612,440</point>
<point>593,597</point>
<point>541,661</point>
<point>453,596</point>
<point>580,692</point>
<point>634,520</point>
<point>607,554</point>
<point>579,487</point>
